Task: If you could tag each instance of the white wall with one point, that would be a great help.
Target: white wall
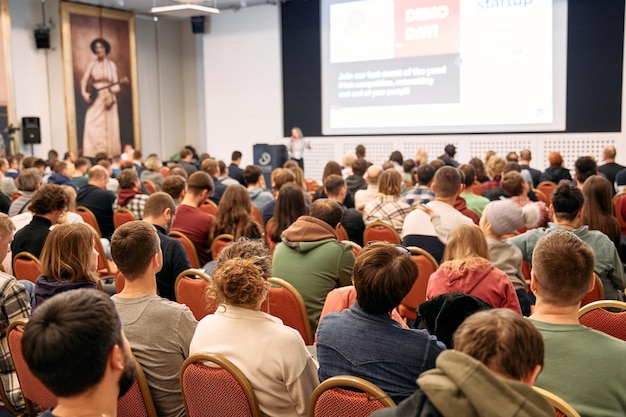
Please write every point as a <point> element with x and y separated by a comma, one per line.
<point>243,92</point>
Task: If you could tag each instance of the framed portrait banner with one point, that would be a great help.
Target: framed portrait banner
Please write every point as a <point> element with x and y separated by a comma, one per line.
<point>100,70</point>
<point>7,116</point>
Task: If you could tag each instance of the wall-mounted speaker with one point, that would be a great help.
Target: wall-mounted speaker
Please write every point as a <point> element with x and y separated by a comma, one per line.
<point>31,130</point>
<point>197,24</point>
<point>42,38</point>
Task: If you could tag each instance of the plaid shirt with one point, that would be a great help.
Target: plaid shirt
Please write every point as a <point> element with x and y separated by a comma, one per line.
<point>135,205</point>
<point>421,194</point>
<point>489,185</point>
<point>388,209</point>
<point>15,302</point>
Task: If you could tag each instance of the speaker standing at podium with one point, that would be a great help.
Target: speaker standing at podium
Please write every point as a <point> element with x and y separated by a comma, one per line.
<point>99,87</point>
<point>297,145</point>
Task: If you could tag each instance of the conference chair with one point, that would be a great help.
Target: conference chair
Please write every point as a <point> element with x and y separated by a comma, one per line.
<point>285,302</point>
<point>426,265</point>
<point>597,316</point>
<point>356,248</point>
<point>380,231</point>
<point>547,188</point>
<point>122,215</point>
<point>137,402</point>
<point>189,247</point>
<point>120,282</point>
<point>561,407</point>
<point>209,207</point>
<point>190,289</point>
<point>362,398</point>
<point>33,390</point>
<point>149,186</point>
<point>596,293</point>
<point>617,203</point>
<point>342,233</point>
<point>216,391</point>
<point>89,218</point>
<point>26,266</point>
<point>220,242</point>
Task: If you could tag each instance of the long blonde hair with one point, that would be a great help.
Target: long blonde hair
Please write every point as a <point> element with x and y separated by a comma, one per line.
<point>466,248</point>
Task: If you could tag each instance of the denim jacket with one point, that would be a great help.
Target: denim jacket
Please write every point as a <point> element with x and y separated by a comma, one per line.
<point>375,348</point>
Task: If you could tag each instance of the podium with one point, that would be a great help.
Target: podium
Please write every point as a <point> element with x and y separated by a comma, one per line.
<point>269,157</point>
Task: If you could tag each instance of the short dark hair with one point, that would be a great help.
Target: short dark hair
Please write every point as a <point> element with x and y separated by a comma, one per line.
<point>185,152</point>
<point>157,203</point>
<point>209,165</point>
<point>132,247</point>
<point>49,198</point>
<point>360,151</point>
<point>469,173</point>
<point>326,210</point>
<point>251,174</point>
<point>127,178</point>
<point>585,167</point>
<point>173,185</point>
<point>59,166</point>
<point>567,200</point>
<point>200,181</point>
<point>513,183</point>
<point>235,155</point>
<point>447,181</point>
<point>359,166</point>
<point>425,173</point>
<point>333,184</point>
<point>81,162</point>
<point>67,341</point>
<point>396,156</point>
<point>382,277</point>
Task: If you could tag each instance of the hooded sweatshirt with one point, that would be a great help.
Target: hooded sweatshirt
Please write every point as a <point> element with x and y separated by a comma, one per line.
<point>461,386</point>
<point>477,277</point>
<point>46,288</point>
<point>312,259</point>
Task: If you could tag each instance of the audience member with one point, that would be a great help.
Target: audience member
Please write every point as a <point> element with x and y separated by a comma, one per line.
<point>495,352</point>
<point>331,168</point>
<point>578,360</point>
<point>364,196</point>
<point>514,185</point>
<point>98,199</point>
<point>289,207</point>
<point>209,166</point>
<point>448,156</point>
<point>112,184</point>
<point>359,151</point>
<point>176,187</point>
<point>61,175</point>
<point>355,181</point>
<point>235,216</point>
<point>152,172</point>
<point>310,257</point>
<point>525,157</point>
<point>501,218</point>
<point>160,349</point>
<point>347,160</point>
<point>159,212</point>
<point>79,175</point>
<point>429,226</point>
<point>233,169</point>
<point>68,261</point>
<point>186,161</point>
<point>555,172</point>
<point>388,206</point>
<point>461,206</point>
<point>391,357</point>
<point>473,201</point>
<point>351,219</point>
<point>238,328</point>
<point>130,196</point>
<point>585,167</point>
<point>421,193</point>
<point>466,268</point>
<point>223,177</point>
<point>479,167</point>
<point>191,220</point>
<point>598,209</point>
<point>29,182</point>
<point>48,204</point>
<point>610,169</point>
<point>7,184</point>
<point>253,176</point>
<point>495,165</point>
<point>397,160</point>
<point>280,177</point>
<point>566,212</point>
<point>76,347</point>
<point>70,215</point>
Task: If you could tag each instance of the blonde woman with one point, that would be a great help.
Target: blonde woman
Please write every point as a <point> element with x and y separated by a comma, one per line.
<point>466,268</point>
<point>388,206</point>
<point>152,172</point>
<point>271,355</point>
<point>68,261</point>
<point>70,216</point>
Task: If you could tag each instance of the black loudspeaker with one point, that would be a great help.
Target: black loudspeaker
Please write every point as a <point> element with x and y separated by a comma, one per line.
<point>197,24</point>
<point>42,38</point>
<point>31,130</point>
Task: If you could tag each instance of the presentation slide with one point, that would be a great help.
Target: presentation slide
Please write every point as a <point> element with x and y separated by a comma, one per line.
<point>443,66</point>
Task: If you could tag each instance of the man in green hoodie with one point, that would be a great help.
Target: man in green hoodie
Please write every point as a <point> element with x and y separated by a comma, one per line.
<point>312,259</point>
<point>496,358</point>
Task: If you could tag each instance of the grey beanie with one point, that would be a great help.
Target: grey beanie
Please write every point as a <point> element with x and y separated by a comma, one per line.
<point>505,216</point>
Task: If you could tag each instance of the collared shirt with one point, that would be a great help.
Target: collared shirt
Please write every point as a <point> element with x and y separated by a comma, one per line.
<point>135,205</point>
<point>387,208</point>
<point>421,194</point>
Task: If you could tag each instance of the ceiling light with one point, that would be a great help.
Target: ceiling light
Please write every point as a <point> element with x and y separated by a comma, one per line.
<point>184,10</point>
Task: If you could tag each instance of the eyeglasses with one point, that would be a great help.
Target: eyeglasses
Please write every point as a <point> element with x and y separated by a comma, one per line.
<point>401,249</point>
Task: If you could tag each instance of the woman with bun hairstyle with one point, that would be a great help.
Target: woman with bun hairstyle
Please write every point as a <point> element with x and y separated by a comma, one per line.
<point>271,355</point>
<point>466,268</point>
<point>501,218</point>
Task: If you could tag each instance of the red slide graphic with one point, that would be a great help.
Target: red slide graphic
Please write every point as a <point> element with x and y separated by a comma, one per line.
<point>426,27</point>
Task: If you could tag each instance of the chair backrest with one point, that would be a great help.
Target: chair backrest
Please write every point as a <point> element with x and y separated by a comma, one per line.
<point>285,302</point>
<point>120,282</point>
<point>541,196</point>
<point>122,215</point>
<point>381,231</point>
<point>26,266</point>
<point>617,203</point>
<point>149,186</point>
<point>16,195</point>
<point>33,390</point>
<point>216,391</point>
<point>190,289</point>
<point>342,233</point>
<point>561,407</point>
<point>547,187</point>
<point>331,398</point>
<point>165,171</point>
<point>426,265</point>
<point>220,242</point>
<point>137,402</point>
<point>476,188</point>
<point>596,316</point>
<point>190,248</point>
<point>311,185</point>
<point>209,207</point>
<point>596,293</point>
<point>89,218</point>
<point>356,248</point>
<point>106,267</point>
